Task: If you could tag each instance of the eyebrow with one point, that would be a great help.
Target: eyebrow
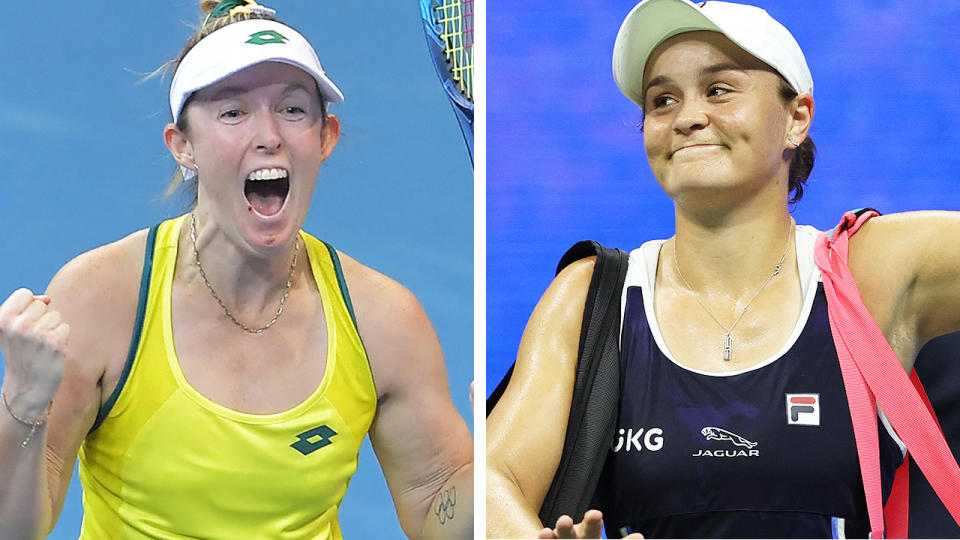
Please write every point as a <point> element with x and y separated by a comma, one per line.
<point>227,92</point>
<point>709,70</point>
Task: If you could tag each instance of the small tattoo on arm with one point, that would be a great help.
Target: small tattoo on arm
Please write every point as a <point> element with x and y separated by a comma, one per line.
<point>445,503</point>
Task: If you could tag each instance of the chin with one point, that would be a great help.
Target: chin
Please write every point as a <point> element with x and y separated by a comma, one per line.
<point>267,234</point>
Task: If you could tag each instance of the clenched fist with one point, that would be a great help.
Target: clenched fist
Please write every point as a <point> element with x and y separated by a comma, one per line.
<point>33,340</point>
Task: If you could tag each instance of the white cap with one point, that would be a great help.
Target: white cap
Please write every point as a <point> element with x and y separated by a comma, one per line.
<point>238,46</point>
<point>651,22</point>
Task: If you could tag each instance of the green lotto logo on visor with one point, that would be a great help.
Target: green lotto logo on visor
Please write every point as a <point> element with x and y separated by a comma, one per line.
<point>313,439</point>
<point>266,37</point>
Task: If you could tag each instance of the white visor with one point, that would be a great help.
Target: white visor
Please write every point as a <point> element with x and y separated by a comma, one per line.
<point>238,46</point>
<point>651,22</point>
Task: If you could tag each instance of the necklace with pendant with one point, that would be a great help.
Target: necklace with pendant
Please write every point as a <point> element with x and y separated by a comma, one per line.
<point>727,331</point>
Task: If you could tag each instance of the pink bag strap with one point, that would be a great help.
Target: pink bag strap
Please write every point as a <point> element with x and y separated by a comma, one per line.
<point>896,512</point>
<point>871,373</point>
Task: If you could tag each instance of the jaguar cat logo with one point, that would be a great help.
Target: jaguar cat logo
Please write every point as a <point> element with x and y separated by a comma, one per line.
<point>712,433</point>
<point>718,434</point>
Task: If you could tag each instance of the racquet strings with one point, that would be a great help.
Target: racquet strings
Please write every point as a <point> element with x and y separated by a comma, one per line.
<point>455,21</point>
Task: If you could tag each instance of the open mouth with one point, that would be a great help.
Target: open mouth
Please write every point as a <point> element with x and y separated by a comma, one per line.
<point>266,190</point>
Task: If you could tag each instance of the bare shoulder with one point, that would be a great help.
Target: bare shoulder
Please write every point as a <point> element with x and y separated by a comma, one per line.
<point>525,431</point>
<point>548,348</point>
<point>573,280</point>
<point>547,358</point>
<point>904,233</point>
<point>381,303</point>
<point>102,278</point>
<point>907,267</point>
<point>97,293</point>
<point>401,344</point>
<point>559,313</point>
<point>889,250</point>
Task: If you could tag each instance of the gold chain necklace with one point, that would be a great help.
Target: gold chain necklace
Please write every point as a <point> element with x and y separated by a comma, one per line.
<point>203,275</point>
<point>727,338</point>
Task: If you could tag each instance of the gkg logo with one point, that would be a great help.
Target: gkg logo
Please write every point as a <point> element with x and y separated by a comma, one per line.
<point>652,441</point>
<point>803,409</point>
<point>266,37</point>
<point>321,437</point>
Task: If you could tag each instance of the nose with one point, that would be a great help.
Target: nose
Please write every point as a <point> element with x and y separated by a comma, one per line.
<point>267,137</point>
<point>690,117</point>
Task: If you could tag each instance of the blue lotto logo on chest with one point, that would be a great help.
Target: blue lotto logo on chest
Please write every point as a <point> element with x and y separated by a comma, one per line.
<point>630,439</point>
<point>742,447</point>
<point>803,409</point>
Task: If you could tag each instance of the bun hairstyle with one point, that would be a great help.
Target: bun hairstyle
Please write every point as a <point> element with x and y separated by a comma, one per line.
<point>207,5</point>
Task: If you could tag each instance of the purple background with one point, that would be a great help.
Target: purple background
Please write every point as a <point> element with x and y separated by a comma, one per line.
<point>565,160</point>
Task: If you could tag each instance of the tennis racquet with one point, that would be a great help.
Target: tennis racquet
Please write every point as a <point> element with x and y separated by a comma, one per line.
<point>448,25</point>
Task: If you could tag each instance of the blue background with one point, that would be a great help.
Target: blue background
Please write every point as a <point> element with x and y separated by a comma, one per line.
<point>565,159</point>
<point>84,164</point>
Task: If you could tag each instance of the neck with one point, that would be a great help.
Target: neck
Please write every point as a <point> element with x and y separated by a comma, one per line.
<point>732,252</point>
<point>249,284</point>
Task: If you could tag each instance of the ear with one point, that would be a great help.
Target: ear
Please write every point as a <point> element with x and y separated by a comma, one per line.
<point>801,116</point>
<point>179,146</point>
<point>329,135</point>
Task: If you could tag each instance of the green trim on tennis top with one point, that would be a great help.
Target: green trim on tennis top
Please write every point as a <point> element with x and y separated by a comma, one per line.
<point>137,328</point>
<point>343,283</point>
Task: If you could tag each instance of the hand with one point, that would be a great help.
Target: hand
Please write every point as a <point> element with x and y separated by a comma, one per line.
<point>590,527</point>
<point>33,339</point>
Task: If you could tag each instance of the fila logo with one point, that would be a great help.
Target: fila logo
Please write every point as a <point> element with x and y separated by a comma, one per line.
<point>313,439</point>
<point>803,409</point>
<point>652,441</point>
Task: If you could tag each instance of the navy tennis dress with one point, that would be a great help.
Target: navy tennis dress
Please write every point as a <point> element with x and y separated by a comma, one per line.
<point>767,452</point>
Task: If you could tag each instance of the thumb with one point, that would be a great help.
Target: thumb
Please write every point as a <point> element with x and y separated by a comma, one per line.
<point>591,526</point>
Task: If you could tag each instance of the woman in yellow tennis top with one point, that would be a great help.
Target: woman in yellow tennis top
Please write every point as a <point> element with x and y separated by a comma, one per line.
<point>259,357</point>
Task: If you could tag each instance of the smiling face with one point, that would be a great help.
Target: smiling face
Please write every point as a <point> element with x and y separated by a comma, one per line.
<point>714,122</point>
<point>258,138</point>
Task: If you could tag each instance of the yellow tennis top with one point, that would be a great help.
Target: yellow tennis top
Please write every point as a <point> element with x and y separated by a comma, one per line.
<point>163,461</point>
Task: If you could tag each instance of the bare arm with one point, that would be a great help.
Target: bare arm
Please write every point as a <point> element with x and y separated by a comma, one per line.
<point>84,298</point>
<point>33,340</point>
<point>423,444</point>
<point>525,432</point>
<point>907,267</point>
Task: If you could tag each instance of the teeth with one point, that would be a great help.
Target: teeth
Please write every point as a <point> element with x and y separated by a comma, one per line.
<point>267,174</point>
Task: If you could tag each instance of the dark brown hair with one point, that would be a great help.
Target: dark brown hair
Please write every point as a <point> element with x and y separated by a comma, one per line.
<point>803,157</point>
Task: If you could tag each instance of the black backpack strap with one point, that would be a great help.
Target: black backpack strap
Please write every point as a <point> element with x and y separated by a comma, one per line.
<point>596,394</point>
